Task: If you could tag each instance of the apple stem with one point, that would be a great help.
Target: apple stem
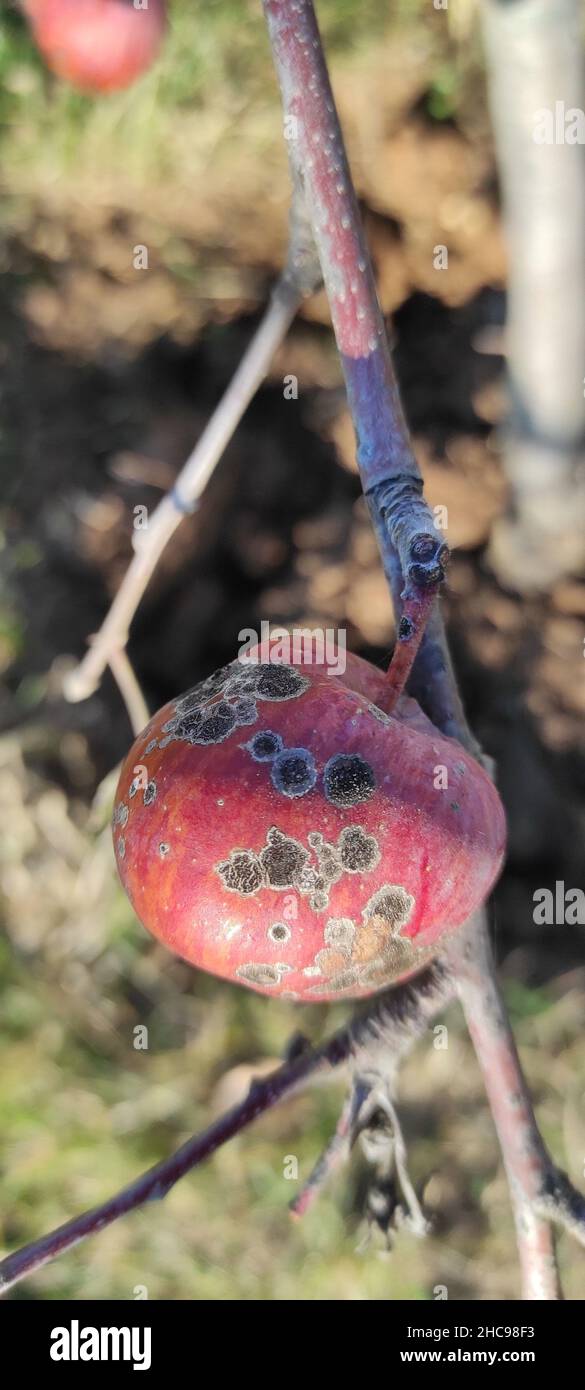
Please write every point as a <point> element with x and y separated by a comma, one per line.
<point>416,611</point>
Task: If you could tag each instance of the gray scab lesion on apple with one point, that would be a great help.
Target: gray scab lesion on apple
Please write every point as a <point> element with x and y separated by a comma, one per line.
<point>372,953</point>
<point>263,975</point>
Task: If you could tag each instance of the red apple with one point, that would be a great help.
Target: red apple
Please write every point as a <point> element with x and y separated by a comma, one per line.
<point>98,45</point>
<point>276,828</point>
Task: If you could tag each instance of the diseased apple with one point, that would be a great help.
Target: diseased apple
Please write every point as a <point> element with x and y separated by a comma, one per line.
<point>275,827</point>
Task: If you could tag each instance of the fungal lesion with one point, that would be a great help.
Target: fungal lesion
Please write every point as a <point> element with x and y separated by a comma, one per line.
<point>330,867</point>
<point>121,815</point>
<point>348,779</point>
<point>373,953</point>
<point>278,681</point>
<point>278,933</point>
<point>204,691</point>
<point>227,700</point>
<point>242,872</point>
<point>283,862</point>
<point>356,852</point>
<point>218,724</point>
<point>294,772</point>
<point>264,975</point>
<point>245,709</point>
<point>210,712</point>
<point>359,852</point>
<point>335,958</point>
<point>280,864</point>
<point>264,746</point>
<point>210,725</point>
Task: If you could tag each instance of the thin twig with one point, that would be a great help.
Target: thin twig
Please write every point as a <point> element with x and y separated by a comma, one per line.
<point>386,1034</point>
<point>416,611</point>
<point>333,1156</point>
<point>385,1149</point>
<point>128,685</point>
<point>158,1181</point>
<point>541,1193</point>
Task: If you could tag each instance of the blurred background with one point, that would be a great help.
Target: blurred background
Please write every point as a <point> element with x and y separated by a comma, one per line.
<point>107,377</point>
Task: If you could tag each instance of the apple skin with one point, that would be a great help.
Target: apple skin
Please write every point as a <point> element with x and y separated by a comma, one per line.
<point>308,877</point>
<point>97,45</point>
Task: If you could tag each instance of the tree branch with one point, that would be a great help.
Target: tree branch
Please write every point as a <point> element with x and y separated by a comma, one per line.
<point>335,1153</point>
<point>300,278</point>
<point>540,1192</point>
<point>389,472</point>
<point>130,690</point>
<point>414,558</point>
<point>391,1023</point>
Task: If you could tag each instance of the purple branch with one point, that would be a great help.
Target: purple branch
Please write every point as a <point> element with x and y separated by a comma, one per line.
<point>389,1025</point>
<point>335,1153</point>
<point>386,461</point>
<point>413,557</point>
<point>158,1181</point>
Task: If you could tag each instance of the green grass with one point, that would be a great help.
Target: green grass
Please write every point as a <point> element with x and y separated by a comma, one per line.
<point>215,64</point>
<point>82,1112</point>
<point>77,1123</point>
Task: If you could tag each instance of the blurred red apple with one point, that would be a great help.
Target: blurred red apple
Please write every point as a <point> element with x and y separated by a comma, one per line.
<point>98,45</point>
